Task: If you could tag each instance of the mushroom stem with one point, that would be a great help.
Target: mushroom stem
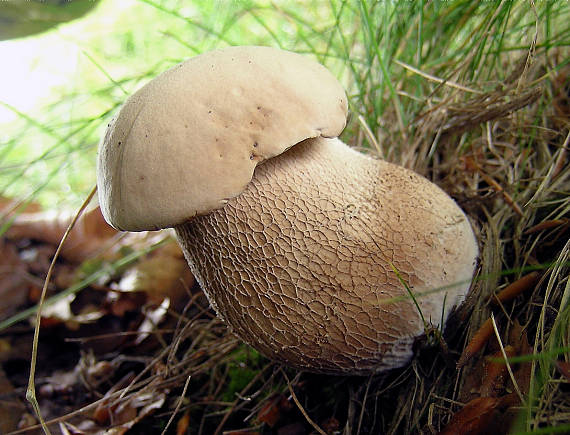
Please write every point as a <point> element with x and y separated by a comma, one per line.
<point>299,264</point>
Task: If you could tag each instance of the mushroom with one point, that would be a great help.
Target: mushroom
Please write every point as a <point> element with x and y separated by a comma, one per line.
<point>299,242</point>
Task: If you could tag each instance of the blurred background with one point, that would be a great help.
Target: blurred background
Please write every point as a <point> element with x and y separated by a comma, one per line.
<point>60,86</point>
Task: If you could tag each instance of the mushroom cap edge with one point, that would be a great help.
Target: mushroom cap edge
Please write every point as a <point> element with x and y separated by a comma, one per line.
<point>190,139</point>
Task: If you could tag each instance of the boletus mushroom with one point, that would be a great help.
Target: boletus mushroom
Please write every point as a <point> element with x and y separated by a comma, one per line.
<point>294,236</point>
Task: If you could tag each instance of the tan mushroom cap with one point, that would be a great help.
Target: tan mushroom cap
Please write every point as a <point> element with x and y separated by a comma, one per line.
<point>189,140</point>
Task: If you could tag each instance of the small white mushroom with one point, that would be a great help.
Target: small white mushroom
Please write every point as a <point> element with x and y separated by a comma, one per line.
<point>298,256</point>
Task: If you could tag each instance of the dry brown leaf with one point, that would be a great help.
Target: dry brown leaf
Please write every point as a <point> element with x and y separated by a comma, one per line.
<point>164,274</point>
<point>479,340</point>
<point>331,425</point>
<point>274,409</point>
<point>183,424</point>
<point>59,312</point>
<point>131,411</point>
<point>495,372</point>
<point>523,373</point>
<point>9,205</point>
<point>88,236</point>
<point>14,284</point>
<point>104,411</point>
<point>121,303</point>
<point>11,409</point>
<point>476,417</point>
<point>153,317</point>
<point>514,289</point>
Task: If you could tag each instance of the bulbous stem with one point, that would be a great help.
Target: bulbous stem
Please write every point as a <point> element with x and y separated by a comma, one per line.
<point>301,264</point>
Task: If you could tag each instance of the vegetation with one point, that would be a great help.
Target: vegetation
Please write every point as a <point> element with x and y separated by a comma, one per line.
<point>473,95</point>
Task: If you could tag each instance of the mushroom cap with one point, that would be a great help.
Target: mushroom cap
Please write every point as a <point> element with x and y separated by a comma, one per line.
<point>189,140</point>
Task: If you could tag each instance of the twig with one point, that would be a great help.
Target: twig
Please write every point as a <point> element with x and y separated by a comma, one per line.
<point>561,159</point>
<point>512,376</point>
<point>370,136</point>
<point>437,79</point>
<point>31,391</point>
<point>235,405</point>
<point>178,405</point>
<point>546,225</point>
<point>293,395</point>
<point>363,406</point>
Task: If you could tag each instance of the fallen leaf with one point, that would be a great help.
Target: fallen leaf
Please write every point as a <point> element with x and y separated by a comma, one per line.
<point>14,281</point>
<point>274,408</point>
<point>523,373</point>
<point>164,274</point>
<point>11,409</point>
<point>476,417</point>
<point>479,340</point>
<point>132,410</point>
<point>331,425</point>
<point>495,372</point>
<point>152,319</point>
<point>103,413</point>
<point>183,424</point>
<point>119,304</point>
<point>517,287</point>
<point>8,206</point>
<point>89,235</point>
<point>57,313</point>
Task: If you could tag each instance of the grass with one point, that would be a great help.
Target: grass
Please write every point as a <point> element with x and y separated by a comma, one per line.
<point>472,95</point>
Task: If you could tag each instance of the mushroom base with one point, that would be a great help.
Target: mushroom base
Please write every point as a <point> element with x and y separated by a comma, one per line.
<point>301,264</point>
